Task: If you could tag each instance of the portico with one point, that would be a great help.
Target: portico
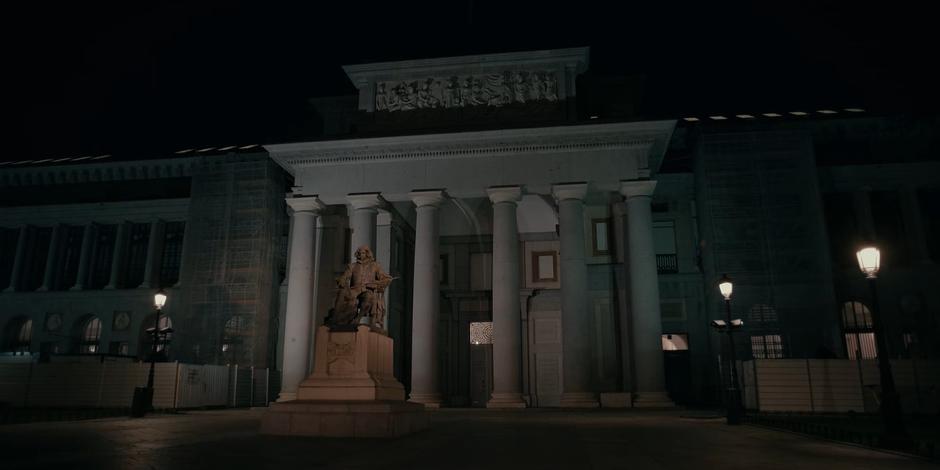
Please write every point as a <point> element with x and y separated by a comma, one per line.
<point>558,169</point>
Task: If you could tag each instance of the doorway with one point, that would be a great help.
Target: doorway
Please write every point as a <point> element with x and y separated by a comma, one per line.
<point>678,367</point>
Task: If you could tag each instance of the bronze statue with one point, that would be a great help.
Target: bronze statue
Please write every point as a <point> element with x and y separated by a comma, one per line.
<point>361,292</point>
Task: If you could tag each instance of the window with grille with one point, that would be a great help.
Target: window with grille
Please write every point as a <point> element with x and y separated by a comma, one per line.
<point>103,254</point>
<point>39,252</point>
<point>172,253</point>
<point>91,334</point>
<point>766,347</point>
<point>137,254</point>
<point>857,327</point>
<point>9,237</point>
<point>71,254</point>
<point>481,332</point>
<point>762,314</point>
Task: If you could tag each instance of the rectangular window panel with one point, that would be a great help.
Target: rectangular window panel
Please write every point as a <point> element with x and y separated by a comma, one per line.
<point>137,254</point>
<point>766,347</point>
<point>103,254</point>
<point>544,266</point>
<point>9,237</point>
<point>39,252</point>
<point>71,254</point>
<point>172,253</point>
<point>600,229</point>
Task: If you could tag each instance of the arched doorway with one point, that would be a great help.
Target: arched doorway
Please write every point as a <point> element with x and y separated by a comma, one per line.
<point>18,335</point>
<point>89,335</point>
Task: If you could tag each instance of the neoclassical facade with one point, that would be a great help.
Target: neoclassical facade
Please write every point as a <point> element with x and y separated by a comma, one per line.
<point>530,187</point>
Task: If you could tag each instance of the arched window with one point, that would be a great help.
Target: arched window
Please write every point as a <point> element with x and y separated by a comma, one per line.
<point>857,327</point>
<point>232,338</point>
<point>90,335</point>
<point>18,335</point>
<point>164,337</point>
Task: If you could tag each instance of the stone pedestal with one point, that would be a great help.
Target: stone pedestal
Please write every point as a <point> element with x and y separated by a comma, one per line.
<point>351,393</point>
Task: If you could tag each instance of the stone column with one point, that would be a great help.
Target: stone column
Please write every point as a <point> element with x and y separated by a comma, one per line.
<point>153,255</point>
<point>52,259</point>
<point>297,322</point>
<point>425,372</point>
<point>84,258</point>
<point>362,220</point>
<point>18,259</point>
<point>117,259</point>
<point>576,321</point>
<point>507,327</point>
<point>650,382</point>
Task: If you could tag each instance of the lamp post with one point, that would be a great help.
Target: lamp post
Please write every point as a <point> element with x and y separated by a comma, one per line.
<point>895,435</point>
<point>735,408</point>
<point>159,300</point>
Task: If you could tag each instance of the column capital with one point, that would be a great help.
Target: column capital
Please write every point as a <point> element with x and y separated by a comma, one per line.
<point>365,200</point>
<point>637,188</point>
<point>499,194</point>
<point>299,203</point>
<point>565,191</point>
<point>431,197</point>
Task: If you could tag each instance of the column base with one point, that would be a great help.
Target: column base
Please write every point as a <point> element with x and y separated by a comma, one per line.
<point>616,400</point>
<point>429,400</point>
<point>579,400</point>
<point>286,396</point>
<point>652,400</point>
<point>77,287</point>
<point>506,400</point>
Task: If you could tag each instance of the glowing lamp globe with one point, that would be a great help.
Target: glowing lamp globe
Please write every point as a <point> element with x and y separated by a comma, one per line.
<point>725,286</point>
<point>869,261</point>
<point>159,299</point>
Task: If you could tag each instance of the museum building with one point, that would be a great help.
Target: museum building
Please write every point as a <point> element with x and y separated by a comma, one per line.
<point>550,245</point>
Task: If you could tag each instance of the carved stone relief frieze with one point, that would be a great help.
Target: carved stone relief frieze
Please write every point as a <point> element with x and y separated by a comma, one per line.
<point>496,89</point>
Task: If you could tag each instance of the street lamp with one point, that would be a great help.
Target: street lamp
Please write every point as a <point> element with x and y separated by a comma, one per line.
<point>735,407</point>
<point>143,397</point>
<point>869,262</point>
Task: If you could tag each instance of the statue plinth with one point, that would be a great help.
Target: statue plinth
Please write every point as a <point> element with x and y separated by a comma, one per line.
<point>352,365</point>
<point>351,393</point>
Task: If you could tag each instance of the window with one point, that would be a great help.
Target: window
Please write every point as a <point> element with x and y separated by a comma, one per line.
<point>766,347</point>
<point>172,253</point>
<point>232,338</point>
<point>544,266</point>
<point>71,254</point>
<point>119,348</point>
<point>675,342</point>
<point>103,253</point>
<point>762,314</point>
<point>18,335</point>
<point>9,237</point>
<point>91,334</point>
<point>664,241</point>
<point>857,327</point>
<point>889,226</point>
<point>38,246</point>
<point>137,254</point>
<point>600,236</point>
<point>842,228</point>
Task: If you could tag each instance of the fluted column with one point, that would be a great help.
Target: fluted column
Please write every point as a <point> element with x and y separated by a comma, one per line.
<point>425,372</point>
<point>576,322</point>
<point>84,258</point>
<point>117,259</point>
<point>153,254</point>
<point>365,207</point>
<point>18,259</point>
<point>297,322</point>
<point>52,258</point>
<point>650,383</point>
<point>507,327</point>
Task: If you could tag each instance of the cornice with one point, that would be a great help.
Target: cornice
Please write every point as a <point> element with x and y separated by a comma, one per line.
<point>97,172</point>
<point>646,137</point>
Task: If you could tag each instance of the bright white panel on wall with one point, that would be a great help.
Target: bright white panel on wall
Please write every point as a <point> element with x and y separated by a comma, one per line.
<point>675,342</point>
<point>546,267</point>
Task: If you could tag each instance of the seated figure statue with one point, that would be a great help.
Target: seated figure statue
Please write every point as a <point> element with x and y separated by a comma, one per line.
<point>361,293</point>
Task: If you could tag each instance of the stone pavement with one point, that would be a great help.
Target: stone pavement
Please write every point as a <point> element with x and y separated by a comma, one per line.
<point>457,439</point>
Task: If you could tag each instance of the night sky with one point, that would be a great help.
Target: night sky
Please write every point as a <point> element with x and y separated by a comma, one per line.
<point>132,80</point>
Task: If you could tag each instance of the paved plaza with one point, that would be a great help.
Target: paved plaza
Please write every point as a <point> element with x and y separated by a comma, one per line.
<point>465,439</point>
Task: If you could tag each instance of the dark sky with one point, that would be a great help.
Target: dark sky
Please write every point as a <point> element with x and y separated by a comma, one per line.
<point>128,78</point>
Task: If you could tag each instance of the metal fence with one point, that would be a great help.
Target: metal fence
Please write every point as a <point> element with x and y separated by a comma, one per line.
<point>110,384</point>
